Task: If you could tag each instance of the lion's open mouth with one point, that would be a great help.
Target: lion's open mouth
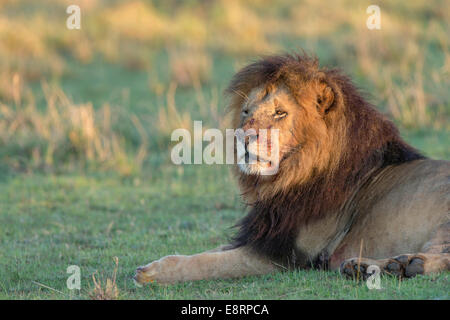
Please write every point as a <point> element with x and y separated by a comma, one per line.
<point>251,158</point>
<point>253,164</point>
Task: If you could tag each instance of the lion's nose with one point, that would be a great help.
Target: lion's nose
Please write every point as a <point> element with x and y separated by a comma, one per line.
<point>249,124</point>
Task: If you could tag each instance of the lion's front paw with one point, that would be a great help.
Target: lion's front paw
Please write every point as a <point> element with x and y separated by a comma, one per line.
<point>165,270</point>
<point>147,273</point>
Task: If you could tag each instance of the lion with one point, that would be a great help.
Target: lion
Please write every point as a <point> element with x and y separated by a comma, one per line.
<point>349,193</point>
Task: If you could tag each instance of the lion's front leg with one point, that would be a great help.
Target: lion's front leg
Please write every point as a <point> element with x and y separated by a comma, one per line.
<point>232,263</point>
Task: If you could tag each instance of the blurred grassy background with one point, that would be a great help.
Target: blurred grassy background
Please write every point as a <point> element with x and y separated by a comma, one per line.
<point>94,108</point>
<point>110,94</point>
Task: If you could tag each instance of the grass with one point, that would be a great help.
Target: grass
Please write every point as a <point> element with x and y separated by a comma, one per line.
<point>86,117</point>
<point>51,222</point>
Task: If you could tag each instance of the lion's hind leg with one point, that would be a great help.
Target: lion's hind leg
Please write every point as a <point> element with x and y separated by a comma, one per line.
<point>402,266</point>
<point>434,258</point>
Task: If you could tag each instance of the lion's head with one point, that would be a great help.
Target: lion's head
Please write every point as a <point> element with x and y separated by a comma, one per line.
<point>330,141</point>
<point>291,94</point>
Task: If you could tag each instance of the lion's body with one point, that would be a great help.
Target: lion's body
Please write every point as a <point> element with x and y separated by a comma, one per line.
<point>399,212</point>
<point>346,184</point>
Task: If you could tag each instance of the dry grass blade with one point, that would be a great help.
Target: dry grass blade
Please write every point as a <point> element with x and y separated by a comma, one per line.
<point>359,260</point>
<point>107,290</point>
<point>47,287</point>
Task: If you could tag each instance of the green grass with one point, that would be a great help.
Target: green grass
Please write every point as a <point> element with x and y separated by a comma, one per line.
<point>61,214</point>
<point>51,222</point>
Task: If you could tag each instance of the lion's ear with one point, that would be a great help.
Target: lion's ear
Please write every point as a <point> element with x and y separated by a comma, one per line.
<point>325,99</point>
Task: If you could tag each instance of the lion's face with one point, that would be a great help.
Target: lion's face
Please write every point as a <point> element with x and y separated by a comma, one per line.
<point>268,119</point>
<point>299,122</point>
<point>304,105</point>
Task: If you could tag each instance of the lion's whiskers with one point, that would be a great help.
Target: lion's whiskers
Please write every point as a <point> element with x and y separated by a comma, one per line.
<point>241,94</point>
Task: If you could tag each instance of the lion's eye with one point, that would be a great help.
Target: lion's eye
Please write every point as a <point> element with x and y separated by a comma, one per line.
<point>245,112</point>
<point>280,114</point>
